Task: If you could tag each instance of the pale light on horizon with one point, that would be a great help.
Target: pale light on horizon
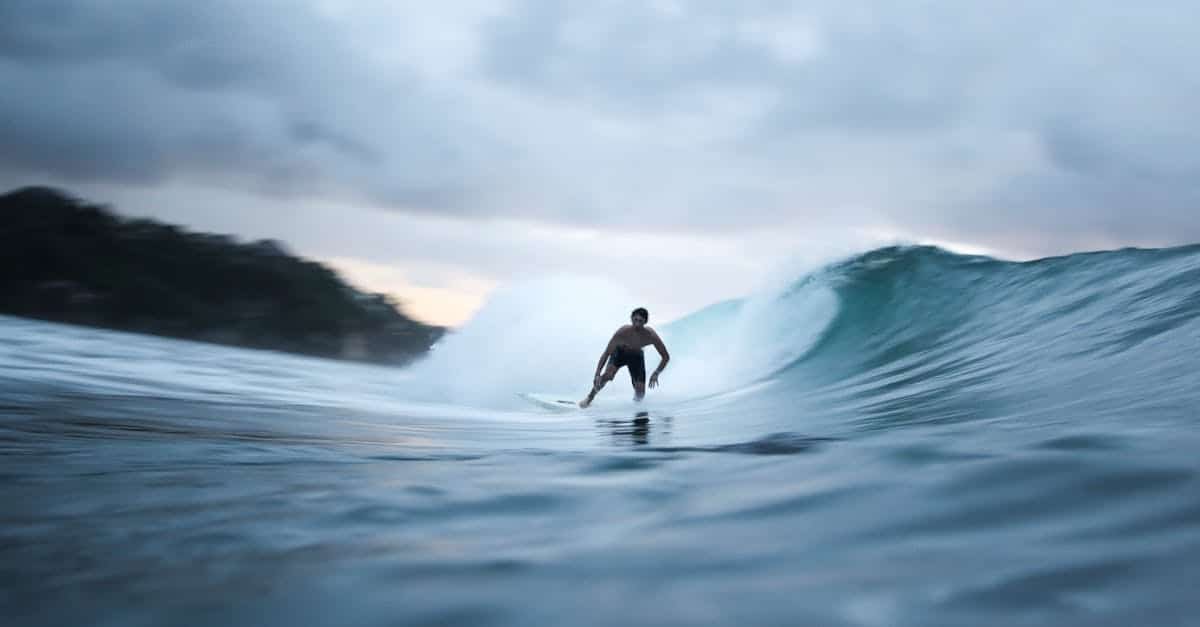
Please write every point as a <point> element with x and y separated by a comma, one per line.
<point>448,305</point>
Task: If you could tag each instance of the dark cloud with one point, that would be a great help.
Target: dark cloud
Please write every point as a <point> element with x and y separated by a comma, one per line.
<point>911,111</point>
<point>272,94</point>
<point>982,121</point>
<point>831,70</point>
<point>632,57</point>
<point>201,45</point>
<point>310,132</point>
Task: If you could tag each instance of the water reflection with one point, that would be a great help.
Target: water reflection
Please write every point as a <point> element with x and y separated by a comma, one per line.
<point>636,431</point>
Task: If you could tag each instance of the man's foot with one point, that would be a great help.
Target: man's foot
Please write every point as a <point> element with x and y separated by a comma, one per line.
<point>584,403</point>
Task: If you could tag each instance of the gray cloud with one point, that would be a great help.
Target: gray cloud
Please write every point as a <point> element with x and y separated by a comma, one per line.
<point>268,94</point>
<point>914,113</point>
<point>993,122</point>
<point>629,56</point>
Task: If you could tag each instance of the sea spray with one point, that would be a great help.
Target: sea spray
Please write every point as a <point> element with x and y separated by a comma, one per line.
<point>543,335</point>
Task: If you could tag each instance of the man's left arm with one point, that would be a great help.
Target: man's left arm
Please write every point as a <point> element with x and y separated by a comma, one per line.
<point>662,352</point>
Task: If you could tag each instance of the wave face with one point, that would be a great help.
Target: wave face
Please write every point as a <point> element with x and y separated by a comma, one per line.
<point>922,335</point>
<point>907,437</point>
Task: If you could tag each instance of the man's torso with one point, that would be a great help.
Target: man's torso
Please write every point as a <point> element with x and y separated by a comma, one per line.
<point>631,337</point>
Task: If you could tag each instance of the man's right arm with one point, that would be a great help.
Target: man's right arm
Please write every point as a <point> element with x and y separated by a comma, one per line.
<point>604,356</point>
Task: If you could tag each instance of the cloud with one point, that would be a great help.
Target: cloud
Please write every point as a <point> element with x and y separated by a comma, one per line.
<point>994,122</point>
<point>1071,118</point>
<point>271,95</point>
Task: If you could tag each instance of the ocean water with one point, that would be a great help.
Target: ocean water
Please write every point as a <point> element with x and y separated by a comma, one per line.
<point>907,437</point>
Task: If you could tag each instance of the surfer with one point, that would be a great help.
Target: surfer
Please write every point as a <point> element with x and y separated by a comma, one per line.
<point>625,349</point>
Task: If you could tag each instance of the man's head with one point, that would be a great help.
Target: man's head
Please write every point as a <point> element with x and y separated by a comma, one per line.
<point>639,317</point>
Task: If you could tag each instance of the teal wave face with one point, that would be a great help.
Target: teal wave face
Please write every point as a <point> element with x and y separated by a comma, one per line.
<point>924,335</point>
<point>927,335</point>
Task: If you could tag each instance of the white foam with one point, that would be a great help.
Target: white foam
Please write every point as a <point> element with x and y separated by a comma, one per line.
<point>547,335</point>
<point>744,345</point>
<point>538,335</point>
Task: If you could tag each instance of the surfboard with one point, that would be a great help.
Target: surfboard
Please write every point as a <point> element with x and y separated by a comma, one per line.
<point>550,401</point>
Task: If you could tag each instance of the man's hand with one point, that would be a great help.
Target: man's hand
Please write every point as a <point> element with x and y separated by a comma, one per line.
<point>654,380</point>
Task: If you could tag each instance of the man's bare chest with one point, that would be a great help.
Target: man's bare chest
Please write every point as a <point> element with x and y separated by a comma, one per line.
<point>632,338</point>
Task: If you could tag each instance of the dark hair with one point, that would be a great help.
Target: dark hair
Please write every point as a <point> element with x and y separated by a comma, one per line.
<point>642,311</point>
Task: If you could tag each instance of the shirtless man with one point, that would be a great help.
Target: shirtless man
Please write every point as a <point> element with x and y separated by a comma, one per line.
<point>625,349</point>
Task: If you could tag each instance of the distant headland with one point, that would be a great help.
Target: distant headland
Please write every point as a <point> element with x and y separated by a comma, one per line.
<point>67,260</point>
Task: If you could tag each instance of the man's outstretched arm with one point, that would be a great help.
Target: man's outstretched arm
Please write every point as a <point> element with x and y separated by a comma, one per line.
<point>666,357</point>
<point>604,357</point>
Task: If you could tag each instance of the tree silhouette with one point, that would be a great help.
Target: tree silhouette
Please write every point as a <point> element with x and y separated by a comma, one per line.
<point>66,260</point>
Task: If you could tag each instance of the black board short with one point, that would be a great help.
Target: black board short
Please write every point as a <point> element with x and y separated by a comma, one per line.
<point>633,359</point>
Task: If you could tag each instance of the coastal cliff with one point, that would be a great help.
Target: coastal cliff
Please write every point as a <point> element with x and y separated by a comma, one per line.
<point>67,260</point>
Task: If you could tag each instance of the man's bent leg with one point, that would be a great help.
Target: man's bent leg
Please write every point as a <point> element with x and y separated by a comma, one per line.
<point>608,375</point>
<point>637,375</point>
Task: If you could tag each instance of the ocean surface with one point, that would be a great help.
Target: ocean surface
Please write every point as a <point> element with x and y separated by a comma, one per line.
<point>905,437</point>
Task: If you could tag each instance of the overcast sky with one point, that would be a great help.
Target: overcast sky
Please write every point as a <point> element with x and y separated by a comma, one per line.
<point>682,149</point>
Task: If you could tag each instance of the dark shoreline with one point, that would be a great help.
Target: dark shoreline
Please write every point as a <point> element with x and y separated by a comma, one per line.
<point>66,260</point>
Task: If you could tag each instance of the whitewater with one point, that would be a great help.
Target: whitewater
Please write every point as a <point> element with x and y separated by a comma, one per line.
<point>908,436</point>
